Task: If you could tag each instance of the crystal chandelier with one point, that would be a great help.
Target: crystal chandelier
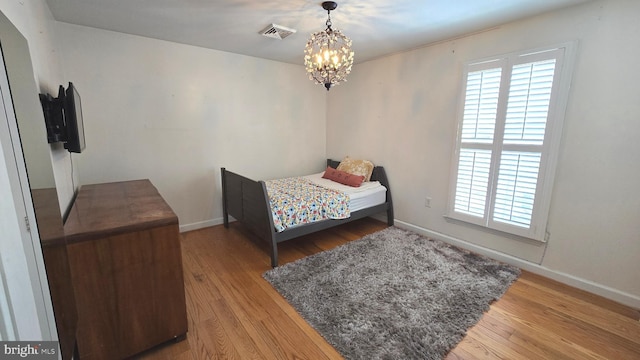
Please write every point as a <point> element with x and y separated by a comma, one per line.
<point>328,56</point>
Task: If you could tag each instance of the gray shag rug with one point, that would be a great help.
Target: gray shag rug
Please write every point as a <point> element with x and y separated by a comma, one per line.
<point>393,294</point>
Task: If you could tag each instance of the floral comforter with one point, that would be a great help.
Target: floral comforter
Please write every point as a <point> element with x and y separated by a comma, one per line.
<point>296,201</point>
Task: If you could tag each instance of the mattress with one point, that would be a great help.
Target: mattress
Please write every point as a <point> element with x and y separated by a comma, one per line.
<point>370,193</point>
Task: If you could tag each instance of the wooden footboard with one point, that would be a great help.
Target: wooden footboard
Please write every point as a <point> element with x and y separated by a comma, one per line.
<point>247,201</point>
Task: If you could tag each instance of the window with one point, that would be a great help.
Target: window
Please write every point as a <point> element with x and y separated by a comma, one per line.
<point>509,129</point>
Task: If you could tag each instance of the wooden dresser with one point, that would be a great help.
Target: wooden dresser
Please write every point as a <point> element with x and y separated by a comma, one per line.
<point>126,265</point>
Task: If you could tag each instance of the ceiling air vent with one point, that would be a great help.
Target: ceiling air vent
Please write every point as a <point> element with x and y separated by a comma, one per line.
<point>277,31</point>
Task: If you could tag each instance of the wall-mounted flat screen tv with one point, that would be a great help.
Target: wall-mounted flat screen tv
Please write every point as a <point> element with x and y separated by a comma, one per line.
<point>63,118</point>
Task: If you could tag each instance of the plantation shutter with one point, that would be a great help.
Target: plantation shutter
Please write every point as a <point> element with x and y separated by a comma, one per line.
<point>503,142</point>
<point>524,130</point>
<point>478,126</point>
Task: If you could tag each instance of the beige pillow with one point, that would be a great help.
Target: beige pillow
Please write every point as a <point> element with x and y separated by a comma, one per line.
<point>356,167</point>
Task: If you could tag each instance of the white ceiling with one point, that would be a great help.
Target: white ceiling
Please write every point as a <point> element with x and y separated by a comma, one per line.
<point>377,27</point>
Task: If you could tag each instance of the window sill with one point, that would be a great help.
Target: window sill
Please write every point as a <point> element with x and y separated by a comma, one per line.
<point>505,234</point>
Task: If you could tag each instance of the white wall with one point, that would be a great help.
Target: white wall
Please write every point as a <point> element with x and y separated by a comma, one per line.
<point>400,111</point>
<point>176,113</point>
<point>35,21</point>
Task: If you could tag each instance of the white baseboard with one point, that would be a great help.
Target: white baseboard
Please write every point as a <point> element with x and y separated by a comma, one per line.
<point>200,225</point>
<point>568,279</point>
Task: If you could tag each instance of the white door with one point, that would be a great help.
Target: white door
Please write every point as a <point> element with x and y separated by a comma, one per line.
<point>25,304</point>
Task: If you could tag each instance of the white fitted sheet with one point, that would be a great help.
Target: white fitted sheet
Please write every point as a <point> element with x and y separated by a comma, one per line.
<point>370,193</point>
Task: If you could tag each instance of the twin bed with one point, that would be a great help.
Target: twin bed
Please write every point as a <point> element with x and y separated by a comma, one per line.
<point>274,212</point>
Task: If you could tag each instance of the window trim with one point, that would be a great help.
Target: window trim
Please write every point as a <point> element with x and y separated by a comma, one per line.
<point>549,149</point>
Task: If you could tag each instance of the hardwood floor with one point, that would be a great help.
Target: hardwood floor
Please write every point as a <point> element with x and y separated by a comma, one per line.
<point>235,314</point>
